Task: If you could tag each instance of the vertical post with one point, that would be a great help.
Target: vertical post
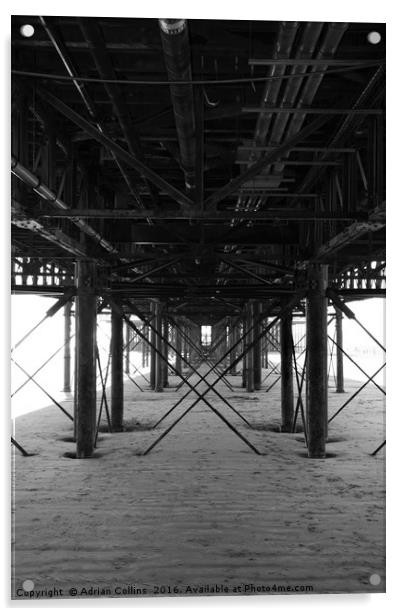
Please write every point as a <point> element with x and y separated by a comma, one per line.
<point>244,362</point>
<point>257,347</point>
<point>232,340</point>
<point>67,347</point>
<point>287,402</point>
<point>225,331</point>
<point>159,346</point>
<point>316,369</point>
<point>184,343</point>
<point>339,355</point>
<point>152,339</point>
<point>250,353</point>
<point>237,337</point>
<point>143,347</point>
<point>265,343</point>
<point>85,389</point>
<point>165,373</point>
<point>195,336</point>
<point>127,353</point>
<point>178,347</point>
<point>117,372</point>
<point>266,347</point>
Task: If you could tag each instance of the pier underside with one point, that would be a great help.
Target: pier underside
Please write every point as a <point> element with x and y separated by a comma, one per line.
<point>215,189</point>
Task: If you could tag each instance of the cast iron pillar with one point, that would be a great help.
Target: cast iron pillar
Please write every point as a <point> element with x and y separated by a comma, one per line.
<point>195,337</point>
<point>178,346</point>
<point>257,347</point>
<point>117,392</point>
<point>127,351</point>
<point>165,373</point>
<point>265,346</point>
<point>67,347</point>
<point>250,353</point>
<point>287,401</point>
<point>339,355</point>
<point>184,329</point>
<point>159,346</point>
<point>316,368</point>
<point>152,340</point>
<point>232,342</point>
<point>244,361</point>
<point>85,360</point>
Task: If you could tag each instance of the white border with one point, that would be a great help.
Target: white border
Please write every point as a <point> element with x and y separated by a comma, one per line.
<point>340,10</point>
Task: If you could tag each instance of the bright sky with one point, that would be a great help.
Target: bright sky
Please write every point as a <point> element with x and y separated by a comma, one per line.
<point>26,311</point>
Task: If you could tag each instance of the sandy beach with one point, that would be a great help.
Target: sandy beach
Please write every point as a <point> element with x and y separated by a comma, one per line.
<point>201,510</point>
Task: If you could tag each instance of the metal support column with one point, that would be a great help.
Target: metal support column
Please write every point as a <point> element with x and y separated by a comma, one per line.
<point>316,368</point>
<point>165,374</point>
<point>178,347</point>
<point>127,353</point>
<point>117,372</point>
<point>244,360</point>
<point>232,340</point>
<point>257,347</point>
<point>67,347</point>
<point>159,346</point>
<point>152,339</point>
<point>85,381</point>
<point>195,338</point>
<point>339,354</point>
<point>250,354</point>
<point>287,401</point>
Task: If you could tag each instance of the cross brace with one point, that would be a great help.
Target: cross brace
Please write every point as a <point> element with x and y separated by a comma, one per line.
<point>120,310</point>
<point>285,310</point>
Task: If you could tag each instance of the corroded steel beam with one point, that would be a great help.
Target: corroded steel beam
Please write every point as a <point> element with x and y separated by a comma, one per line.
<point>22,219</point>
<point>228,215</point>
<point>111,145</point>
<point>266,160</point>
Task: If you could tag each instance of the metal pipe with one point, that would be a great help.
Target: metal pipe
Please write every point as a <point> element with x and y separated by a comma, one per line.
<point>306,49</point>
<point>312,83</point>
<point>176,48</point>
<point>29,178</point>
<point>286,37</point>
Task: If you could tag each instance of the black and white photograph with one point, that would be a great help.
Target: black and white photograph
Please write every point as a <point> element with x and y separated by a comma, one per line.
<point>197,311</point>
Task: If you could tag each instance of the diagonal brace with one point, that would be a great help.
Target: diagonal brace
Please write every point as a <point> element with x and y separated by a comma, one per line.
<point>133,326</point>
<point>285,310</point>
